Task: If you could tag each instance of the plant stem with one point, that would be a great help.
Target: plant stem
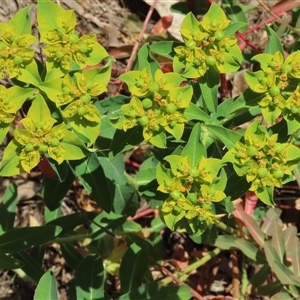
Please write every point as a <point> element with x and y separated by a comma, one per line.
<point>193,266</point>
<point>244,279</point>
<point>227,229</point>
<point>235,275</point>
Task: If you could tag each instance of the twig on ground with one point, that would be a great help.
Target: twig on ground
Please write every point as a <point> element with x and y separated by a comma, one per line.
<point>140,37</point>
<point>138,41</point>
<point>235,275</point>
<point>195,294</point>
<point>278,18</point>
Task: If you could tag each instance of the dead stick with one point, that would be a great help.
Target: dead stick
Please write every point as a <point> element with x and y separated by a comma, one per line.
<point>138,42</point>
<point>140,37</point>
<point>278,18</point>
<point>195,294</point>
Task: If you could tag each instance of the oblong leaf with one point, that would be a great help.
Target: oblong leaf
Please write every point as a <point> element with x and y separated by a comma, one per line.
<point>194,149</point>
<point>90,285</point>
<point>19,239</point>
<point>8,208</point>
<point>47,287</point>
<point>228,137</point>
<point>251,225</point>
<point>133,267</point>
<point>9,263</point>
<point>92,177</point>
<point>31,267</point>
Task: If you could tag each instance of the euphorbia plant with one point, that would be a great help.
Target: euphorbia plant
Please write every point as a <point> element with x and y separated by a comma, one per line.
<point>200,160</point>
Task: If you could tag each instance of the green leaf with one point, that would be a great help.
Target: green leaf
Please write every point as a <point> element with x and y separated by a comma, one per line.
<point>146,61</point>
<point>18,95</point>
<point>125,197</point>
<point>109,221</point>
<point>250,250</point>
<point>8,208</point>
<point>274,43</point>
<point>228,137</point>
<point>261,276</point>
<point>251,225</point>
<point>272,216</point>
<point>52,215</point>
<point>147,172</point>
<point>47,13</point>
<point>21,21</point>
<point>31,267</point>
<point>289,235</point>
<point>90,285</point>
<point>53,191</point>
<point>266,195</point>
<point>19,239</point>
<point>209,85</point>
<point>193,112</point>
<point>234,12</point>
<point>75,148</point>
<point>9,263</point>
<point>30,73</point>
<point>280,296</point>
<point>194,149</point>
<point>71,255</point>
<point>51,88</point>
<point>47,287</point>
<point>133,267</point>
<point>225,242</point>
<point>92,177</point>
<point>69,222</point>
<point>39,110</point>
<point>236,26</point>
<point>10,164</point>
<point>270,288</point>
<point>278,240</point>
<point>38,252</point>
<point>164,48</point>
<point>285,275</point>
<point>88,129</point>
<point>295,255</point>
<point>123,141</point>
<point>4,128</point>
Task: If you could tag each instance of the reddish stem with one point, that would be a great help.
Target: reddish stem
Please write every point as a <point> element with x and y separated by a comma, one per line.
<point>250,44</point>
<point>251,201</point>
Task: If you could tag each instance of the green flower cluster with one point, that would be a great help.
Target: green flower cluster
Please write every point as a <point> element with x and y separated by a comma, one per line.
<point>265,162</point>
<point>192,191</point>
<point>64,45</point>
<point>206,45</point>
<point>39,136</point>
<point>156,105</point>
<point>278,81</point>
<point>14,51</point>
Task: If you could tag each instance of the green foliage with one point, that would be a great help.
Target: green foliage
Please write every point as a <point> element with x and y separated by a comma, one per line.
<point>198,161</point>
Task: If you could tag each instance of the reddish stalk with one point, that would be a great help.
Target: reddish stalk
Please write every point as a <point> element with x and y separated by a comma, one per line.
<point>251,45</point>
<point>142,213</point>
<point>195,294</point>
<point>251,201</point>
<point>235,275</point>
